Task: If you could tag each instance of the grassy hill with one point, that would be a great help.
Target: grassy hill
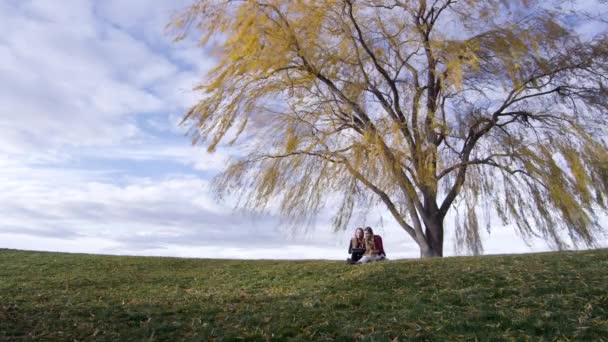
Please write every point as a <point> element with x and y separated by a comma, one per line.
<point>72,296</point>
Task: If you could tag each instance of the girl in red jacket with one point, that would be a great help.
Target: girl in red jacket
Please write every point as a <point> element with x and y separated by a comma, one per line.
<point>374,249</point>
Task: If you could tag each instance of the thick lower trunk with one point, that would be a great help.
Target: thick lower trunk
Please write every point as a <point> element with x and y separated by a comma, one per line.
<point>431,252</point>
<point>434,239</point>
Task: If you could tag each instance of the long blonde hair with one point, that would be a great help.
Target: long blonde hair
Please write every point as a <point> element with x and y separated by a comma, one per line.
<point>370,244</point>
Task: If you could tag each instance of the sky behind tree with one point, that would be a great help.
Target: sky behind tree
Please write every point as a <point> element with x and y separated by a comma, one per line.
<point>92,159</point>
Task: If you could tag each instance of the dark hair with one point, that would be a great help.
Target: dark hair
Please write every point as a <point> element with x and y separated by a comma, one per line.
<point>359,229</point>
<point>369,230</point>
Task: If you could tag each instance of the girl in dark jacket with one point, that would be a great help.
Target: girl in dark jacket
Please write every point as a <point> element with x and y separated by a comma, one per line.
<point>356,245</point>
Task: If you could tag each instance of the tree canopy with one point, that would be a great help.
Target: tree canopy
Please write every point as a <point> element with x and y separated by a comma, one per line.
<point>491,108</point>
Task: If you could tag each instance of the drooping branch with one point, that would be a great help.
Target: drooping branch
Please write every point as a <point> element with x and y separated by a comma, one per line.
<point>415,233</point>
<point>397,114</point>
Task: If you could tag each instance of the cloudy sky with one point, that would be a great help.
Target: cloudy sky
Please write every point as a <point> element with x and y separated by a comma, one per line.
<point>92,159</point>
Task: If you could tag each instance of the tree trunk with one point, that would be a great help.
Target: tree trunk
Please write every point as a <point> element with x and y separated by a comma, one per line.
<point>434,238</point>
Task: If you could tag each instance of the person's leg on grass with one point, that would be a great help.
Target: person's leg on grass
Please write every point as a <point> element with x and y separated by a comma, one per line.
<point>370,259</point>
<point>364,260</point>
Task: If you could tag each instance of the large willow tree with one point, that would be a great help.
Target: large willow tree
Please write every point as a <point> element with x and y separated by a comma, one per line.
<point>492,108</point>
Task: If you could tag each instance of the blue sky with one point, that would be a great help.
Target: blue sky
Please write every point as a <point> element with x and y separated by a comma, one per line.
<point>92,159</point>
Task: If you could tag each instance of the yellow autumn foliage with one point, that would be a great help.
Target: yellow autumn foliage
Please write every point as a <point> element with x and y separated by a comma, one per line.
<point>494,107</point>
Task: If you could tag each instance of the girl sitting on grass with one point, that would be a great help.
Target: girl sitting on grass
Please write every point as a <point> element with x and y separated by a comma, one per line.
<point>374,250</point>
<point>356,246</point>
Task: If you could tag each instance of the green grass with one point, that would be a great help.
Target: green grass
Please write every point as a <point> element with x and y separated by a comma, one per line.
<point>549,296</point>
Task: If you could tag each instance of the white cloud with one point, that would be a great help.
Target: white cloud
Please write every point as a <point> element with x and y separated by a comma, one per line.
<point>72,77</point>
<point>86,211</point>
<point>53,210</point>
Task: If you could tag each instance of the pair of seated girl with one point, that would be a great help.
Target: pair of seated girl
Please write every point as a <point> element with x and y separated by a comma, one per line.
<point>365,247</point>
